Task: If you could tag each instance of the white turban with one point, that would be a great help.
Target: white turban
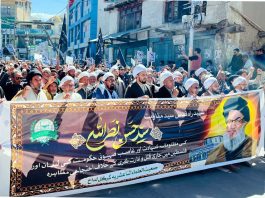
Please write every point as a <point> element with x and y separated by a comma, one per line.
<point>106,75</point>
<point>114,67</point>
<point>238,81</point>
<point>65,79</point>
<point>199,71</point>
<point>138,69</point>
<point>83,74</point>
<point>71,68</point>
<point>164,75</point>
<point>96,73</point>
<point>190,82</point>
<point>176,74</point>
<point>150,69</point>
<point>208,82</point>
<point>46,69</point>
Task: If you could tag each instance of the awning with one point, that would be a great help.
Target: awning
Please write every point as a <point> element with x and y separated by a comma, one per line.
<point>118,35</point>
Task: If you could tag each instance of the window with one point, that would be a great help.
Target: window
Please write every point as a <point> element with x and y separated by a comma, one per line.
<point>174,10</point>
<point>78,12</point>
<point>130,17</point>
<point>25,26</point>
<point>86,7</point>
<point>72,35</point>
<point>86,30</point>
<point>71,17</point>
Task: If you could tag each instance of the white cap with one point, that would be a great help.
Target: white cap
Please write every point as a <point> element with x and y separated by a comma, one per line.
<point>190,82</point>
<point>114,67</point>
<point>149,69</point>
<point>238,80</point>
<point>208,82</point>
<point>199,71</point>
<point>106,75</point>
<point>46,69</point>
<point>164,75</point>
<point>83,74</point>
<point>71,68</point>
<point>96,73</point>
<point>138,69</point>
<point>176,74</point>
<point>65,79</point>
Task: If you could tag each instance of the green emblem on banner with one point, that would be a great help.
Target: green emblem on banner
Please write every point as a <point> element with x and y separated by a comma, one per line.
<point>43,131</point>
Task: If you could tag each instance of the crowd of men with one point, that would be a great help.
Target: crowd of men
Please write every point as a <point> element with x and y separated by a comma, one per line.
<point>27,81</point>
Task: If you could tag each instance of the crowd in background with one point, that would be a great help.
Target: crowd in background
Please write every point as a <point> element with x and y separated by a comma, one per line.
<point>34,81</point>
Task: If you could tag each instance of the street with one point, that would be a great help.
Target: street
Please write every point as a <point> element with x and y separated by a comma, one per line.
<point>246,182</point>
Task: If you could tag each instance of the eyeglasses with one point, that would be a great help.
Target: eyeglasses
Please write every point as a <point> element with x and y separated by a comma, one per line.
<point>237,121</point>
<point>19,78</point>
<point>196,87</point>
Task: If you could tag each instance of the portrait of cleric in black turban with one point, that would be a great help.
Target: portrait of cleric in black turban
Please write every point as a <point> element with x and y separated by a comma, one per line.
<point>236,144</point>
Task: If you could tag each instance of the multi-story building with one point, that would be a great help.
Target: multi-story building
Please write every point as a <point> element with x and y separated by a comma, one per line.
<point>82,26</point>
<point>163,26</point>
<point>11,11</point>
<point>29,34</point>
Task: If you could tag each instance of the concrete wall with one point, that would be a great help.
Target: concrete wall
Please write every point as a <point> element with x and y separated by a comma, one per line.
<point>153,13</point>
<point>24,11</point>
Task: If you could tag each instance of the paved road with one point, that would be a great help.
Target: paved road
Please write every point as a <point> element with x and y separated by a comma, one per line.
<point>245,182</point>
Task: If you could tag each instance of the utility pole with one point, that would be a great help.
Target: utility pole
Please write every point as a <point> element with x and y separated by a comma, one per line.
<point>191,34</point>
<point>0,28</point>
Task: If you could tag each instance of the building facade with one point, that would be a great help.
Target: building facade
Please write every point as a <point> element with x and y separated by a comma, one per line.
<point>11,11</point>
<point>82,27</point>
<point>29,34</point>
<point>141,25</point>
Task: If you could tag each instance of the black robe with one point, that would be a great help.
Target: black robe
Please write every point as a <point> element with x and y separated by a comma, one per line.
<point>135,91</point>
<point>181,89</point>
<point>163,93</point>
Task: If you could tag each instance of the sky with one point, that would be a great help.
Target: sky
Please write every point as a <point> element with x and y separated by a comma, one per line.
<point>45,9</point>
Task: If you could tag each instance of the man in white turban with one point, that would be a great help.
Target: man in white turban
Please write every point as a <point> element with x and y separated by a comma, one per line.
<point>67,84</point>
<point>167,89</point>
<point>139,88</point>
<point>240,85</point>
<point>211,86</point>
<point>107,89</point>
<point>192,86</point>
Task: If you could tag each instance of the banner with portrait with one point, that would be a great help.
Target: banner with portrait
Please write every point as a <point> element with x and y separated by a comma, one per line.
<point>61,148</point>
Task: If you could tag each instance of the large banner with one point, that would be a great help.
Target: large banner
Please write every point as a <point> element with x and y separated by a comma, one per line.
<point>72,147</point>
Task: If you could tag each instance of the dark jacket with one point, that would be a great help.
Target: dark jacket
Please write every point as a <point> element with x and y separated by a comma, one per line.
<point>163,93</point>
<point>86,94</point>
<point>2,93</point>
<point>135,91</point>
<point>181,89</point>
<point>4,78</point>
<point>11,90</point>
<point>236,63</point>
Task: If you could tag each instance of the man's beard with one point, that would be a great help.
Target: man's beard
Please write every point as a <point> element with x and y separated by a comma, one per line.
<point>234,143</point>
<point>143,82</point>
<point>112,87</point>
<point>216,92</point>
<point>89,87</point>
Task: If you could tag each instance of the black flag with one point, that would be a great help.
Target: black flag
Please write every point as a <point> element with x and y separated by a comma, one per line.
<point>88,51</point>
<point>63,42</point>
<point>121,58</point>
<point>100,49</point>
